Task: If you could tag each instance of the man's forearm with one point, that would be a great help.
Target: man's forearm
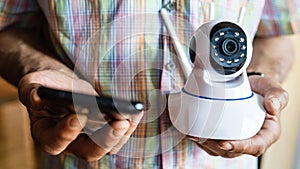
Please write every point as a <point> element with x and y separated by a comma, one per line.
<point>273,56</point>
<point>21,53</point>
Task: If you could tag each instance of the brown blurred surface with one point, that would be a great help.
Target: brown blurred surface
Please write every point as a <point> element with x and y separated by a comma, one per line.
<point>16,145</point>
<point>281,155</point>
<point>7,91</point>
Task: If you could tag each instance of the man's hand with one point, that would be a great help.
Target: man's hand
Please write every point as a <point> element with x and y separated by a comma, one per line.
<point>34,65</point>
<point>64,134</point>
<point>275,99</point>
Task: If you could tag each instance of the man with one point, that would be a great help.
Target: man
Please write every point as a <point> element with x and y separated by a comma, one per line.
<point>121,48</point>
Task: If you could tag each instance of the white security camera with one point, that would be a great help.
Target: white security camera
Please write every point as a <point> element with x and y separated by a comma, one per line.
<point>217,101</point>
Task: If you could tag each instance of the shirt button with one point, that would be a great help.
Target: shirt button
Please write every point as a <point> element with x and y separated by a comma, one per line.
<point>170,66</point>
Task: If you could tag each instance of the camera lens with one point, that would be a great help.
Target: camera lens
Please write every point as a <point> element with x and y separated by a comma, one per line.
<point>229,47</point>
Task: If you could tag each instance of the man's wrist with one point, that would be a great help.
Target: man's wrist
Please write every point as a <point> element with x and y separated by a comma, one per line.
<point>25,55</point>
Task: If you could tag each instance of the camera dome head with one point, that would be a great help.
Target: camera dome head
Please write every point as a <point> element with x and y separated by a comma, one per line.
<point>228,50</point>
<point>221,48</point>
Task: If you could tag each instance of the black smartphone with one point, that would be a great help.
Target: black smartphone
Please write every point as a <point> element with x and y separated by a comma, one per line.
<point>106,104</point>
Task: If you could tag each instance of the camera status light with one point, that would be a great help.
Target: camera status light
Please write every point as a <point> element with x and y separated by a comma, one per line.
<point>236,60</point>
<point>242,55</point>
<point>236,34</point>
<point>242,40</point>
<point>217,39</point>
<point>139,106</point>
<point>229,62</point>
<point>216,54</point>
<point>222,33</point>
<point>244,47</point>
<point>222,59</point>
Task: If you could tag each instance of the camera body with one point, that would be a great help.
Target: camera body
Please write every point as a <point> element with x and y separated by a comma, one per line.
<point>217,101</point>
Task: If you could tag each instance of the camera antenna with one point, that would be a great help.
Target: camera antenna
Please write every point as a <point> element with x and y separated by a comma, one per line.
<point>211,10</point>
<point>181,56</point>
<point>242,12</point>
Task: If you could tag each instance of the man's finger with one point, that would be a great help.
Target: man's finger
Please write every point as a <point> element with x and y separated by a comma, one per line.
<point>276,100</point>
<point>101,142</point>
<point>134,122</point>
<point>214,146</point>
<point>260,142</point>
<point>29,84</point>
<point>29,97</point>
<point>208,151</point>
<point>52,136</point>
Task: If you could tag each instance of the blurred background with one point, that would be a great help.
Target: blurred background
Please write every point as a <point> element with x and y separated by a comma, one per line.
<point>17,149</point>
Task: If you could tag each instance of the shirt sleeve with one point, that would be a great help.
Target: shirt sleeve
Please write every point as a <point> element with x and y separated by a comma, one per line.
<point>19,13</point>
<point>280,18</point>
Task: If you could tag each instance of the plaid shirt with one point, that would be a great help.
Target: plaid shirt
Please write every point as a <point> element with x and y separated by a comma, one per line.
<point>122,47</point>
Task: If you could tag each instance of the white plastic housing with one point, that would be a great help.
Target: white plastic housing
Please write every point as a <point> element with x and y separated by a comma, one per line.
<point>230,114</point>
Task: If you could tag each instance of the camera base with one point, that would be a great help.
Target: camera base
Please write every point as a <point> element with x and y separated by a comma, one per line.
<point>221,119</point>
